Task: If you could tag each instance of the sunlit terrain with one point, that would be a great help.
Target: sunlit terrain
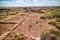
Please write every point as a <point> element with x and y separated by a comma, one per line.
<point>30,23</point>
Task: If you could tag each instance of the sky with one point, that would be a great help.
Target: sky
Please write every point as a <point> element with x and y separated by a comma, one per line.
<point>27,3</point>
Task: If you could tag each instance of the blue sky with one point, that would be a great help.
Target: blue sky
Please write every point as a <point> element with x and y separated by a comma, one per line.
<point>24,3</point>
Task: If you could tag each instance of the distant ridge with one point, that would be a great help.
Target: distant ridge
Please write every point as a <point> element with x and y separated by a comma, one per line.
<point>32,7</point>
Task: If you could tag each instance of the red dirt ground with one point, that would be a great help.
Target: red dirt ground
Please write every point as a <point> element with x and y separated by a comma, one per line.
<point>6,27</point>
<point>36,28</point>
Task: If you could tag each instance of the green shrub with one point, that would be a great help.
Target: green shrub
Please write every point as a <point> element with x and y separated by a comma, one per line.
<point>52,21</point>
<point>51,15</point>
<point>43,17</point>
<point>47,15</point>
<point>56,14</point>
<point>48,35</point>
<point>17,36</point>
<point>5,13</point>
<point>57,24</point>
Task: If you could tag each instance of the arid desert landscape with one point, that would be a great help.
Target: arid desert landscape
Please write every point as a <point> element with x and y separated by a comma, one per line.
<point>30,23</point>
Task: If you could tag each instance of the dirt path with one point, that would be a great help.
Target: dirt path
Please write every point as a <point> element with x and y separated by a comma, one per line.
<point>37,25</point>
<point>4,35</point>
<point>32,26</point>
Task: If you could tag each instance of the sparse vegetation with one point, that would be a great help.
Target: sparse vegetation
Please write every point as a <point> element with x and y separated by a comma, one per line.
<point>52,21</point>
<point>52,17</point>
<point>50,35</point>
<point>17,36</point>
<point>4,13</point>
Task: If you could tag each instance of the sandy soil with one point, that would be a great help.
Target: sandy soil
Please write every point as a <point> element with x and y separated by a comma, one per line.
<point>33,20</point>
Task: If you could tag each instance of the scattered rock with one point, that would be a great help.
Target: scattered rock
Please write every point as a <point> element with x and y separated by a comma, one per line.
<point>38,38</point>
<point>32,38</point>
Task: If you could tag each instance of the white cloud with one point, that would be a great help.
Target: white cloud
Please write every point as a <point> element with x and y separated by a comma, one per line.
<point>35,0</point>
<point>21,1</point>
